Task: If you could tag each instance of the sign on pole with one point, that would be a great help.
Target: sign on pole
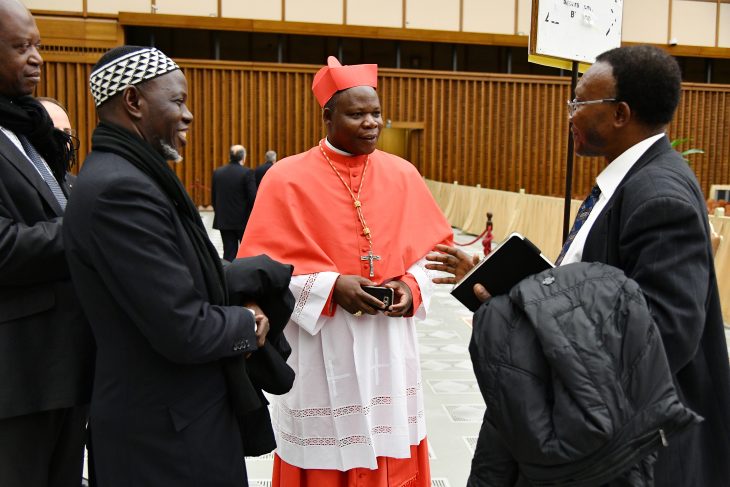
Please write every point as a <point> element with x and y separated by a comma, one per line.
<point>575,30</point>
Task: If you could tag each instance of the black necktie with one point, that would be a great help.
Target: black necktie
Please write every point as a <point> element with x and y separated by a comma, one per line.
<point>40,164</point>
<point>580,218</point>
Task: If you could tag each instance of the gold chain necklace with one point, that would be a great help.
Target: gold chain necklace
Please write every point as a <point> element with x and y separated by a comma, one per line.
<point>358,208</point>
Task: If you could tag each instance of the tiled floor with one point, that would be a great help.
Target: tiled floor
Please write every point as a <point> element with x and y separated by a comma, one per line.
<point>454,406</point>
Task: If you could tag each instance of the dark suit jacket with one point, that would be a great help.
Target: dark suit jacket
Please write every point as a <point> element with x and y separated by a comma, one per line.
<point>160,411</point>
<point>655,229</point>
<point>46,348</point>
<point>261,171</point>
<point>233,194</point>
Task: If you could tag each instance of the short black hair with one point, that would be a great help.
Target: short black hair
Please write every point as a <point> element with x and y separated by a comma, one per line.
<point>648,79</point>
<point>330,105</point>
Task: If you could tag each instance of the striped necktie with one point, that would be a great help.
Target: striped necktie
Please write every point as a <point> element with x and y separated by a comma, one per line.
<point>40,164</point>
<point>580,218</point>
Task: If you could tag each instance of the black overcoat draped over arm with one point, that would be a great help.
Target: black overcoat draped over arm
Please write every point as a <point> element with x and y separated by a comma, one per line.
<point>266,282</point>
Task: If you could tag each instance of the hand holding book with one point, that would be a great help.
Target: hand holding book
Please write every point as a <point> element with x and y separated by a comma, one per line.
<point>513,260</point>
<point>457,263</point>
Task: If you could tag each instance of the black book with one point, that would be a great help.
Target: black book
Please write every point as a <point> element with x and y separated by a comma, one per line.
<point>513,260</point>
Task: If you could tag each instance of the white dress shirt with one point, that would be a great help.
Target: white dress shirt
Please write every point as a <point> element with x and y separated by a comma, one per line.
<point>608,180</point>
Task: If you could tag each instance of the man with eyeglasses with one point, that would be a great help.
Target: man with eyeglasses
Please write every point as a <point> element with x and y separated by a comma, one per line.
<point>46,346</point>
<point>647,216</point>
<point>650,220</point>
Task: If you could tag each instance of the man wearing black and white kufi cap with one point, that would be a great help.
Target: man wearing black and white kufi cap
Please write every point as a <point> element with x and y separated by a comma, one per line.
<point>152,286</point>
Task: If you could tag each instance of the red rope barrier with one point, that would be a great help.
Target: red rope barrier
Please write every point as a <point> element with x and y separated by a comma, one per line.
<point>473,241</point>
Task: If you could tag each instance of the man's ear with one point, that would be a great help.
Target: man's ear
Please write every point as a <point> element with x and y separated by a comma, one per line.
<point>131,101</point>
<point>327,116</point>
<point>622,114</point>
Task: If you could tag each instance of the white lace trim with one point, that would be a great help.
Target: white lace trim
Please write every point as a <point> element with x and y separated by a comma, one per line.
<point>303,296</point>
<point>347,410</point>
<point>325,412</point>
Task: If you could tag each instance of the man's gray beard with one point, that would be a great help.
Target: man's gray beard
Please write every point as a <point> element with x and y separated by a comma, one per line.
<point>169,152</point>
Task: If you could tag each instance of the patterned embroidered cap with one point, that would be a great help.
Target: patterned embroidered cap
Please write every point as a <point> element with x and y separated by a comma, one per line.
<point>127,66</point>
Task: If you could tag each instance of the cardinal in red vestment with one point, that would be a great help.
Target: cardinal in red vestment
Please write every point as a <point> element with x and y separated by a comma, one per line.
<point>349,216</point>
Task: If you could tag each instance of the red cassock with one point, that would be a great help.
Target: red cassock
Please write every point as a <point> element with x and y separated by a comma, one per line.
<point>304,215</point>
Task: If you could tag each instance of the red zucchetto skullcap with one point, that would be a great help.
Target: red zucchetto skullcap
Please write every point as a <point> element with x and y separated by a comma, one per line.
<point>335,77</point>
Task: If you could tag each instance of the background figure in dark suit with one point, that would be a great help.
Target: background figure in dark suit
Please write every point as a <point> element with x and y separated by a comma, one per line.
<point>46,348</point>
<point>233,194</point>
<point>153,288</point>
<point>648,217</point>
<point>261,170</point>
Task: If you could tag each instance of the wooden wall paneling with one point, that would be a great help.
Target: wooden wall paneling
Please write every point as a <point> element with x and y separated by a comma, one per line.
<point>456,139</point>
<point>722,171</point>
<point>472,138</point>
<point>547,107</point>
<point>486,163</point>
<point>718,145</point>
<point>506,161</point>
<point>556,133</point>
<point>430,112</point>
<point>519,136</point>
<point>499,131</point>
<point>440,132</point>
<point>537,138</point>
<point>478,133</point>
<point>700,139</point>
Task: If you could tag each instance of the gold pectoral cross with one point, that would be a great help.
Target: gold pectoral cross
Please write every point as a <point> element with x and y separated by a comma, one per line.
<point>371,260</point>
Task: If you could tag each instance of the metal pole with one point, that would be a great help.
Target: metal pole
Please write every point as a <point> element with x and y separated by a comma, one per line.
<point>569,159</point>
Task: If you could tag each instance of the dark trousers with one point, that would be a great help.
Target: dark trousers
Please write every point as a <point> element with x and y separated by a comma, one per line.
<point>231,241</point>
<point>43,449</point>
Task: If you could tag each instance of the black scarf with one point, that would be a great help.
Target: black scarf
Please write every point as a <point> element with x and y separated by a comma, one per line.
<point>114,139</point>
<point>26,116</point>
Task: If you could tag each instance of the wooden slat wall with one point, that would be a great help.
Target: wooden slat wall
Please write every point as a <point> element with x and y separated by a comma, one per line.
<point>500,131</point>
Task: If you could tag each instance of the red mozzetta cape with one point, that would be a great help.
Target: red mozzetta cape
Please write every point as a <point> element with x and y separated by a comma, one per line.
<point>304,216</point>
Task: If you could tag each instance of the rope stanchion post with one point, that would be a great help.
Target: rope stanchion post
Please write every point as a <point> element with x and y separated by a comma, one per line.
<point>487,241</point>
<point>487,234</point>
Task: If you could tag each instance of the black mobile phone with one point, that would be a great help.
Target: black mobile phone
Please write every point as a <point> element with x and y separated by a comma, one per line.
<point>384,294</point>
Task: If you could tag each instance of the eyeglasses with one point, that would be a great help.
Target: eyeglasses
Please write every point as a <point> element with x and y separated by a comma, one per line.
<point>574,104</point>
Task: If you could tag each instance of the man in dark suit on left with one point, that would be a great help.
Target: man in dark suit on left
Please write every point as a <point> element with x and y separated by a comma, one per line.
<point>233,194</point>
<point>45,343</point>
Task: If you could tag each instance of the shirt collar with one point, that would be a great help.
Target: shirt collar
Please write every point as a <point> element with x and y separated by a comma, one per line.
<point>609,179</point>
<point>335,149</point>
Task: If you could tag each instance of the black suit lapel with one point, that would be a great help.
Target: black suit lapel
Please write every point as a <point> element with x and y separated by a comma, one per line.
<point>21,163</point>
<point>604,228</point>
<point>656,149</point>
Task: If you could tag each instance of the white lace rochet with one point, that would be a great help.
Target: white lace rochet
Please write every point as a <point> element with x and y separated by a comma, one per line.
<point>357,393</point>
